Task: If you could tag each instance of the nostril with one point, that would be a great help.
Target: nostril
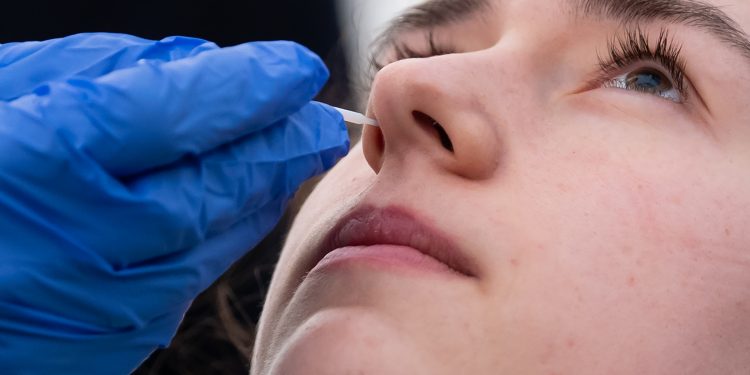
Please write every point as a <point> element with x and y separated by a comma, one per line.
<point>426,120</point>
<point>444,139</point>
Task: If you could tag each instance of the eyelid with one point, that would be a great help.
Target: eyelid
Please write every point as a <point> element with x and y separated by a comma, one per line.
<point>402,50</point>
<point>632,50</point>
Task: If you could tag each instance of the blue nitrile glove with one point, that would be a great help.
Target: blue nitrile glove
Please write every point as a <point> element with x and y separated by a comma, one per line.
<point>132,174</point>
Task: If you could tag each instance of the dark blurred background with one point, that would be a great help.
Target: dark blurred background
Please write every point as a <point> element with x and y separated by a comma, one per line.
<point>217,334</point>
<point>311,22</point>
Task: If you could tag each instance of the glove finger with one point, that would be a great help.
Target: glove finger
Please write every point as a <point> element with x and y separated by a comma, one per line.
<point>28,65</point>
<point>200,198</point>
<point>186,275</point>
<point>52,189</point>
<point>135,119</point>
<point>135,238</point>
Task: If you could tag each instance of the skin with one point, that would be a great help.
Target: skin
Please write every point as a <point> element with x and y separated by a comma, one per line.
<point>611,228</point>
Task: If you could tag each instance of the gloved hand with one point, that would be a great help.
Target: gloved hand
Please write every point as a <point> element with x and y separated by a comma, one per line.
<point>132,174</point>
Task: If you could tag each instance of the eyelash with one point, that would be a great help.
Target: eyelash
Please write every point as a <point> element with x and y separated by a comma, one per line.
<point>402,51</point>
<point>625,50</point>
<point>633,47</point>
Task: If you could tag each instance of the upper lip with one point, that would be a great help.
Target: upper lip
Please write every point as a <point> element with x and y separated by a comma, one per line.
<point>393,225</point>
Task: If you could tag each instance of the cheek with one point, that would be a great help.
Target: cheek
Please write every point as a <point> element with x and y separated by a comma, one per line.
<point>681,201</point>
<point>647,249</point>
<point>641,230</point>
<point>647,183</point>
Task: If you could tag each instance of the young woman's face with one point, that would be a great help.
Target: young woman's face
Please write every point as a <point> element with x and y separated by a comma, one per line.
<point>580,219</point>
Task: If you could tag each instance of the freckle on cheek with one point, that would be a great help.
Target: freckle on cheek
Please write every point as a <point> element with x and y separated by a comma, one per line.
<point>631,281</point>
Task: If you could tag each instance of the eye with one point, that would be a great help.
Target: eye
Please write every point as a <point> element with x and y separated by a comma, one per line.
<point>637,65</point>
<point>403,51</point>
<point>649,81</point>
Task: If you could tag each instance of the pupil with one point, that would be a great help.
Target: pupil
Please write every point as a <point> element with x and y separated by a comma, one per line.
<point>648,80</point>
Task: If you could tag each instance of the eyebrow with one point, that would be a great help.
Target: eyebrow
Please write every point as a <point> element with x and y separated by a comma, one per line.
<point>692,13</point>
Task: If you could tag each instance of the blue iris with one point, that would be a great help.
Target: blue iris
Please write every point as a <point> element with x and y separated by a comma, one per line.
<point>648,80</point>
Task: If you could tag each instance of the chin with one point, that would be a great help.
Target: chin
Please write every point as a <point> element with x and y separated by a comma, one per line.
<point>344,341</point>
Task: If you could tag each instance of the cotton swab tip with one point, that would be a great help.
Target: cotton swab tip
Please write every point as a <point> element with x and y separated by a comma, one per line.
<point>356,118</point>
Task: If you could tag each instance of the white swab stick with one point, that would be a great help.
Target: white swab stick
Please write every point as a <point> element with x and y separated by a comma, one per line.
<point>352,117</point>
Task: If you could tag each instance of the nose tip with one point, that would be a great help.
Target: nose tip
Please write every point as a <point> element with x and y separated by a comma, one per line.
<point>421,117</point>
<point>373,145</point>
<point>374,139</point>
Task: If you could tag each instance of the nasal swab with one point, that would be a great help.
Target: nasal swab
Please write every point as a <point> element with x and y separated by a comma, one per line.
<point>356,118</point>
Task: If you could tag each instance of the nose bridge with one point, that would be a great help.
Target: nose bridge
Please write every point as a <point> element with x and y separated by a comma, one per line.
<point>452,80</point>
<point>434,108</point>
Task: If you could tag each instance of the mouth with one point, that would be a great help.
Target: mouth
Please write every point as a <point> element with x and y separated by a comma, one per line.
<point>392,234</point>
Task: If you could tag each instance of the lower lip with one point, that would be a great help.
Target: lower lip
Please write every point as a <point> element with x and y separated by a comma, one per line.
<point>383,257</point>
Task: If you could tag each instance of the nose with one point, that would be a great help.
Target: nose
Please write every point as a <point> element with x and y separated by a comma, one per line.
<point>433,109</point>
